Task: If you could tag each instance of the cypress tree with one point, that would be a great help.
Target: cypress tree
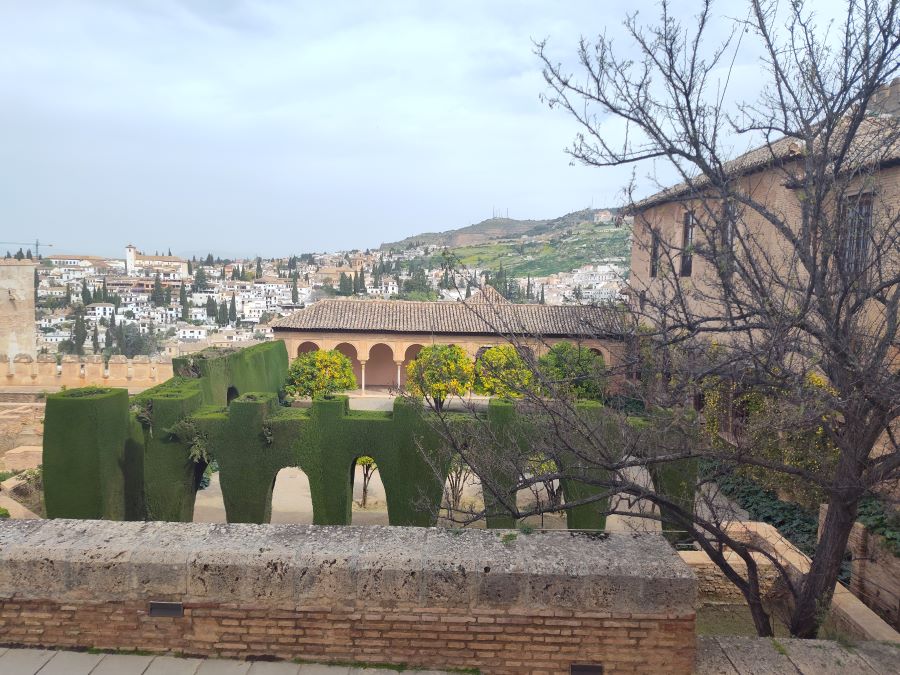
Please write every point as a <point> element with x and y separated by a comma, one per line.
<point>211,309</point>
<point>232,310</point>
<point>79,335</point>
<point>182,299</point>
<point>200,280</point>
<point>190,269</point>
<point>104,294</point>
<point>542,294</point>
<point>156,295</point>
<point>295,294</point>
<point>222,319</point>
<point>85,293</point>
<point>28,254</point>
<point>258,267</point>
<point>362,282</point>
<point>95,340</point>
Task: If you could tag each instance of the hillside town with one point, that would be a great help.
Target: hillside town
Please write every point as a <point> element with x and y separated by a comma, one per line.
<point>149,303</point>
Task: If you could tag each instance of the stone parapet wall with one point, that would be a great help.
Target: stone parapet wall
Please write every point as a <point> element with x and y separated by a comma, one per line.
<point>712,584</point>
<point>498,601</point>
<point>43,372</point>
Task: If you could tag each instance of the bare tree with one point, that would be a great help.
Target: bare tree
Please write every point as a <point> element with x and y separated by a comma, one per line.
<point>782,281</point>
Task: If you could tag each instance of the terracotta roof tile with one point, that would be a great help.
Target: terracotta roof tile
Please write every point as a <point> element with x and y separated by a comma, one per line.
<point>473,317</point>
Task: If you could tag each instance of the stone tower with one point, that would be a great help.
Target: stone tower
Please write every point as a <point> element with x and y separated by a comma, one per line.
<point>17,327</point>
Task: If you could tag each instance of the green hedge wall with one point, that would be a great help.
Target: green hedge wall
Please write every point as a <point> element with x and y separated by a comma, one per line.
<point>85,432</point>
<point>143,459</point>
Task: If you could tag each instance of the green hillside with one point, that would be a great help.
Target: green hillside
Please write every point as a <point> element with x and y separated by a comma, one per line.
<point>531,247</point>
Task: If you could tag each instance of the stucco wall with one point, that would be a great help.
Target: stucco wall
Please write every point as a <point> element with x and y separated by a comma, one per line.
<point>424,597</point>
<point>17,327</point>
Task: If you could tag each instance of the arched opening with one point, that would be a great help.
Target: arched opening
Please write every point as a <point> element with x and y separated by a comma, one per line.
<point>349,351</point>
<point>369,505</point>
<point>209,505</point>
<point>231,394</point>
<point>381,371</point>
<point>462,493</point>
<point>291,499</point>
<point>306,347</point>
<point>409,356</point>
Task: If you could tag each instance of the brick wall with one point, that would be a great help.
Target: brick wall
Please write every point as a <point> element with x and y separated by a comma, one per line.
<point>493,640</point>
<point>423,597</point>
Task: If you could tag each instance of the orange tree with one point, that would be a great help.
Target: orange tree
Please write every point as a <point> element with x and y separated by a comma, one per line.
<point>501,371</point>
<point>572,368</point>
<point>320,373</point>
<point>439,372</point>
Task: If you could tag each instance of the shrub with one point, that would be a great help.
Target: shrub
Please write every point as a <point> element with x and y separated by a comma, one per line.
<point>4,513</point>
<point>320,373</point>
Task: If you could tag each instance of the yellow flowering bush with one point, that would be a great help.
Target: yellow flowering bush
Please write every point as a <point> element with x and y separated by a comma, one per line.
<point>439,372</point>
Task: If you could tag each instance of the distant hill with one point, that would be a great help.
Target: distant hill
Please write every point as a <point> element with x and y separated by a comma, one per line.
<point>535,247</point>
<point>495,229</point>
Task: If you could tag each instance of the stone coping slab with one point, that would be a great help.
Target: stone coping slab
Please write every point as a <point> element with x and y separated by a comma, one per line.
<point>298,566</point>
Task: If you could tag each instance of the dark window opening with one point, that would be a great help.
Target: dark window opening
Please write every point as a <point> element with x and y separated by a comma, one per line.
<point>586,670</point>
<point>687,250</point>
<point>231,395</point>
<point>857,214</point>
<point>654,255</point>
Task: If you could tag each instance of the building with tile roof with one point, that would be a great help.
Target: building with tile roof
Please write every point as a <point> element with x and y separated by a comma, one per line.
<point>382,336</point>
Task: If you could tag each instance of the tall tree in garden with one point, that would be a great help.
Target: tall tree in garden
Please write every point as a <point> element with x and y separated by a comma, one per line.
<point>345,285</point>
<point>104,293</point>
<point>222,318</point>
<point>542,295</point>
<point>86,298</point>
<point>183,301</point>
<point>157,296</point>
<point>95,340</point>
<point>200,282</point>
<point>190,269</point>
<point>211,310</point>
<point>232,310</point>
<point>79,334</point>
<point>258,267</point>
<point>28,254</point>
<point>167,299</point>
<point>362,282</point>
<point>786,306</point>
<point>295,294</point>
<point>20,255</point>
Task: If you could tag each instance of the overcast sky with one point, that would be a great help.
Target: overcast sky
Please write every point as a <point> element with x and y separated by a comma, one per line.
<point>268,127</point>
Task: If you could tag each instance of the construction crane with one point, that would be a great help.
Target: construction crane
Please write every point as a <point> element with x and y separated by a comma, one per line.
<point>36,242</point>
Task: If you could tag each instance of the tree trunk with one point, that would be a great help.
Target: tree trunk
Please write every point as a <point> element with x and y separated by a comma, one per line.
<point>817,589</point>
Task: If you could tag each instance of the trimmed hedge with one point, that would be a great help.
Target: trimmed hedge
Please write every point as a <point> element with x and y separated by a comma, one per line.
<point>85,432</point>
<point>144,459</point>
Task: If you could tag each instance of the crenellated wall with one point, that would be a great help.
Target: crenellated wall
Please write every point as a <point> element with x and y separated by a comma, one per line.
<point>502,602</point>
<point>43,372</point>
